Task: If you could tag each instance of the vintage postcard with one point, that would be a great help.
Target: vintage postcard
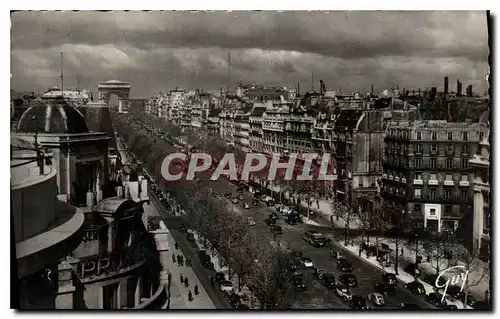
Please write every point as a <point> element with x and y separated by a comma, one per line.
<point>247,160</point>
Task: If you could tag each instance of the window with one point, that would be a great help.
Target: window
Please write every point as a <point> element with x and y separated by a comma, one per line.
<point>450,136</point>
<point>434,136</point>
<point>465,163</point>
<point>419,136</point>
<point>417,208</point>
<point>432,193</point>
<point>481,136</point>
<point>449,147</point>
<point>465,136</point>
<point>447,193</point>
<point>449,163</point>
<point>418,192</point>
<point>465,178</point>
<point>432,211</point>
<point>418,162</point>
<point>418,148</point>
<point>433,162</point>
<point>433,177</point>
<point>464,194</point>
<point>449,177</point>
<point>465,149</point>
<point>434,147</point>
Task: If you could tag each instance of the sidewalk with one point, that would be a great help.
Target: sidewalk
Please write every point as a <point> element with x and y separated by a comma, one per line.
<point>323,208</point>
<point>409,257</point>
<point>178,292</point>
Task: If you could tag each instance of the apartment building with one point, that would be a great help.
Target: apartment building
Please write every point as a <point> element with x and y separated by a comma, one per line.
<point>273,128</point>
<point>480,164</point>
<point>426,172</point>
<point>256,131</point>
<point>242,128</point>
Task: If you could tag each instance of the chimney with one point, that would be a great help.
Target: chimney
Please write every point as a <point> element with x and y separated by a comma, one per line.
<point>446,85</point>
<point>459,88</point>
<point>433,92</point>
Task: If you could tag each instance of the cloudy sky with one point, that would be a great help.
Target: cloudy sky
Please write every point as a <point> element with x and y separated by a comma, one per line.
<point>161,50</point>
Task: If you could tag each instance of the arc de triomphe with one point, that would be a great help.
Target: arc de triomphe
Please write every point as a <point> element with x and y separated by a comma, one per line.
<point>119,88</point>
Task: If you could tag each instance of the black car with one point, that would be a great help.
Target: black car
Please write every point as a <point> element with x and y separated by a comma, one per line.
<point>255,202</point>
<point>318,273</point>
<point>344,265</point>
<point>384,289</point>
<point>409,306</point>
<point>298,283</point>
<point>228,195</point>
<point>436,299</point>
<point>416,288</point>
<point>183,228</point>
<point>390,279</point>
<point>190,238</point>
<point>219,277</point>
<point>455,292</point>
<point>481,305</point>
<point>275,229</point>
<point>359,303</point>
<point>450,307</point>
<point>270,222</point>
<point>349,280</point>
<point>274,216</point>
<point>328,280</point>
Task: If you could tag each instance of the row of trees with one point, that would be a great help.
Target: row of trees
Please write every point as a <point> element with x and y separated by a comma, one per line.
<point>252,257</point>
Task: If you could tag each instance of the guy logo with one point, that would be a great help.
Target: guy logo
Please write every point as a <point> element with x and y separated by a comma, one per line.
<point>462,277</point>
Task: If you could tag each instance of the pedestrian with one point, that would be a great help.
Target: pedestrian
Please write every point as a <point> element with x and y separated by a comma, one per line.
<point>182,278</point>
<point>428,259</point>
<point>188,262</point>
<point>186,282</point>
<point>211,280</point>
<point>178,260</point>
<point>190,296</point>
<point>176,246</point>
<point>181,260</point>
<point>196,291</point>
<point>359,252</point>
<point>173,258</point>
<point>402,252</point>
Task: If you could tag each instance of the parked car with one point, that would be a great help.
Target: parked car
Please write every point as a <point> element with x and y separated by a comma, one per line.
<point>228,194</point>
<point>240,196</point>
<point>389,278</point>
<point>450,307</point>
<point>343,292</point>
<point>328,280</point>
<point>318,273</point>
<point>376,298</point>
<point>226,286</point>
<point>314,239</point>
<point>235,200</point>
<point>415,287</point>
<point>436,299</point>
<point>183,228</point>
<point>306,262</point>
<point>190,238</point>
<point>251,222</point>
<point>344,265</point>
<point>274,216</point>
<point>409,306</point>
<point>220,277</point>
<point>349,280</point>
<point>359,303</point>
<point>385,289</point>
<point>246,206</point>
<point>255,203</point>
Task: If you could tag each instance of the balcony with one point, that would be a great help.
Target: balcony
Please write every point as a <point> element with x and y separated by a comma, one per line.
<point>403,180</point>
<point>433,182</point>
<point>418,182</point>
<point>396,178</point>
<point>449,152</point>
<point>464,184</point>
<point>449,183</point>
<point>384,175</point>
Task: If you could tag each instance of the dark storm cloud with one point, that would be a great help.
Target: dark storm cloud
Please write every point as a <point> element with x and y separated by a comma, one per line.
<point>266,46</point>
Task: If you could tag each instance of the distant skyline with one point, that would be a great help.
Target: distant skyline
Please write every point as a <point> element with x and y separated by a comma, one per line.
<point>161,50</point>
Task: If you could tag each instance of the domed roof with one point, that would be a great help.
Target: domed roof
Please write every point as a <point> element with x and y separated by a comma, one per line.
<point>113,81</point>
<point>52,118</point>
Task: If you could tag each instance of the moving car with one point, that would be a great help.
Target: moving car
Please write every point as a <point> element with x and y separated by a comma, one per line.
<point>275,229</point>
<point>298,283</point>
<point>285,210</point>
<point>385,289</point>
<point>336,255</point>
<point>389,278</point>
<point>376,298</point>
<point>318,273</point>
<point>246,206</point>
<point>270,222</point>
<point>415,287</point>
<point>343,292</point>
<point>255,203</point>
<point>228,194</point>
<point>235,200</point>
<point>314,239</point>
<point>251,222</point>
<point>219,277</point>
<point>190,238</point>
<point>435,299</point>
<point>306,262</point>
<point>349,280</point>
<point>240,197</point>
<point>409,306</point>
<point>344,265</point>
<point>274,216</point>
<point>359,303</point>
<point>328,280</point>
